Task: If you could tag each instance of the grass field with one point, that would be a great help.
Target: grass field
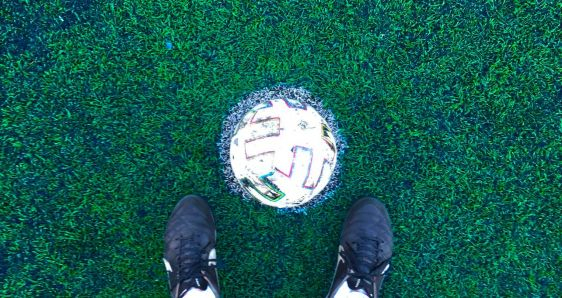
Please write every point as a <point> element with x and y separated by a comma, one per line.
<point>111,111</point>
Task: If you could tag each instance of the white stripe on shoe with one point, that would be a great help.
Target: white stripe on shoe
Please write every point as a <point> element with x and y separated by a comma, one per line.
<point>167,264</point>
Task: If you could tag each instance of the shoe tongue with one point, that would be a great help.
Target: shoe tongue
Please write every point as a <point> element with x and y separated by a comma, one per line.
<point>353,283</point>
<point>200,283</point>
<point>197,282</point>
<point>356,284</point>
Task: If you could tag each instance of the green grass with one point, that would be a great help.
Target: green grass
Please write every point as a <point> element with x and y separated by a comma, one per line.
<point>452,113</point>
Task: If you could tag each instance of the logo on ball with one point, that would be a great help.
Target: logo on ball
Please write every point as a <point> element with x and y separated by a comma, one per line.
<point>283,152</point>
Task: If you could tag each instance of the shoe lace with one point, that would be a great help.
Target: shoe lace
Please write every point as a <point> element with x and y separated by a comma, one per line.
<point>365,260</point>
<point>191,263</point>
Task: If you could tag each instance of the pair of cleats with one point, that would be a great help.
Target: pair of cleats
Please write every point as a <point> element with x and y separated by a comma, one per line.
<point>363,260</point>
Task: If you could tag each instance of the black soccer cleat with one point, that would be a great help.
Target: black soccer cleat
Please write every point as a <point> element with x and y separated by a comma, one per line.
<point>365,250</point>
<point>189,255</point>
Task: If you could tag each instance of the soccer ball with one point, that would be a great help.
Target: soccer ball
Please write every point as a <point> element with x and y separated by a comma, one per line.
<point>283,153</point>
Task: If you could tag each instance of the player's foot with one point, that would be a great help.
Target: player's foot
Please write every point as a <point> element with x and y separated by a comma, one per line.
<point>364,252</point>
<point>189,254</point>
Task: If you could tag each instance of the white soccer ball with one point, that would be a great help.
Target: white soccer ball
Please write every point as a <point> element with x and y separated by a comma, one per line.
<point>283,153</point>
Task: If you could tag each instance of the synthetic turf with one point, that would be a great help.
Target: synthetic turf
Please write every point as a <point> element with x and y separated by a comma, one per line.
<point>111,111</point>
